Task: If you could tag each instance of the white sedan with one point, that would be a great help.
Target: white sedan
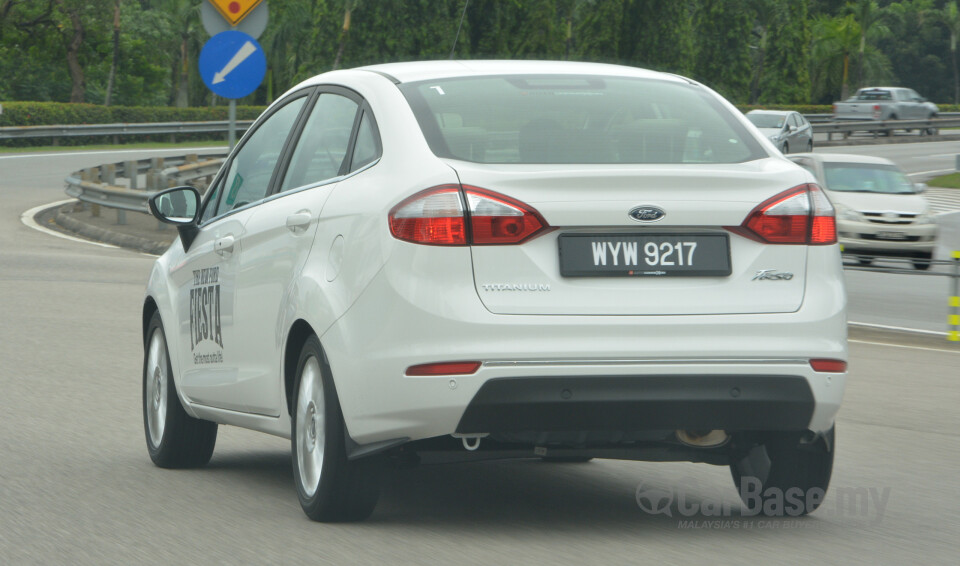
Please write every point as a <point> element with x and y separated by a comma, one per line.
<point>501,258</point>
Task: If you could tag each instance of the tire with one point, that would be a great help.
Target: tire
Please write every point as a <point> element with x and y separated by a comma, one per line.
<point>865,260</point>
<point>921,262</point>
<point>889,132</point>
<point>566,460</point>
<point>174,438</point>
<point>810,146</point>
<point>330,487</point>
<point>785,149</point>
<point>932,131</point>
<point>784,470</point>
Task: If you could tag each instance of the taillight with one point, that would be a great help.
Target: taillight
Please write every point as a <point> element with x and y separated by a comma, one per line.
<point>801,215</point>
<point>828,366</point>
<point>444,368</point>
<point>876,111</point>
<point>437,217</point>
<point>498,219</point>
<point>433,216</point>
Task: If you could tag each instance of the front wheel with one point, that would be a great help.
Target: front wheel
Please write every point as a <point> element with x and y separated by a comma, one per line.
<point>922,261</point>
<point>809,146</point>
<point>174,438</point>
<point>785,148</point>
<point>330,487</point>
<point>783,475</point>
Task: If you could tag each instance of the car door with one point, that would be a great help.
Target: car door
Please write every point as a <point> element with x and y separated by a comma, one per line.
<point>278,241</point>
<point>207,278</point>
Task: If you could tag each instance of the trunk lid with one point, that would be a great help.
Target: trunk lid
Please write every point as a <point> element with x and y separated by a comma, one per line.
<point>595,200</point>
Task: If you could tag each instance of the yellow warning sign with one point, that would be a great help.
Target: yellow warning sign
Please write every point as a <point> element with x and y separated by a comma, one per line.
<point>235,10</point>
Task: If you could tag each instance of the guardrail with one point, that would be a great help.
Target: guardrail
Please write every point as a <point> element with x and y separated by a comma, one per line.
<point>845,128</point>
<point>114,131</point>
<point>127,185</point>
<point>951,269</point>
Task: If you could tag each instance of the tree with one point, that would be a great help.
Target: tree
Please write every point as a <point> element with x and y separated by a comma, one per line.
<point>834,40</point>
<point>723,49</point>
<point>783,69</point>
<point>871,19</point>
<point>951,19</point>
<point>116,52</point>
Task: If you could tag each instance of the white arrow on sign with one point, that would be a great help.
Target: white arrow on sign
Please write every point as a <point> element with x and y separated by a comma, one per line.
<point>247,50</point>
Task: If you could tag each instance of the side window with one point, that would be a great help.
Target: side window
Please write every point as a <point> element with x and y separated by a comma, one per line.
<point>248,178</point>
<point>367,147</point>
<point>796,120</point>
<point>324,142</point>
<point>211,204</point>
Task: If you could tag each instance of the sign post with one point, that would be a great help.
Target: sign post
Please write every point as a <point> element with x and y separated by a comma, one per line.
<point>232,65</point>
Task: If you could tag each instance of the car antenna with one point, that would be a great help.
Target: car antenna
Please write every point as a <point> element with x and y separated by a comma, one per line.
<point>462,15</point>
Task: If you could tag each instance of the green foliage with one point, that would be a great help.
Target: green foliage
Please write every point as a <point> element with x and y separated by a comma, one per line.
<point>951,181</point>
<point>767,51</point>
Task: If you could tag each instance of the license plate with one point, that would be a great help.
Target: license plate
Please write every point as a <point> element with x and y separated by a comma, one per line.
<point>646,255</point>
<point>892,235</point>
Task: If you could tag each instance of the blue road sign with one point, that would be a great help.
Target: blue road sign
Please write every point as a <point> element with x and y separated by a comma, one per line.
<point>232,64</point>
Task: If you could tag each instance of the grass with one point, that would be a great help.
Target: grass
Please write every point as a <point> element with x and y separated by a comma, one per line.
<point>951,181</point>
<point>144,145</point>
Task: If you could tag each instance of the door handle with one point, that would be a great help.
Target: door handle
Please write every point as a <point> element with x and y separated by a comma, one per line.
<point>297,223</point>
<point>224,245</point>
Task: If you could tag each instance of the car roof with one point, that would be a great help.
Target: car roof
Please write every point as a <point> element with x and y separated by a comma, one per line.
<point>845,158</point>
<point>432,70</point>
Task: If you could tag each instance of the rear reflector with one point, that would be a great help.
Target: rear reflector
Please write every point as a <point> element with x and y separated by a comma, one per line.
<point>828,366</point>
<point>801,215</point>
<point>437,217</point>
<point>444,368</point>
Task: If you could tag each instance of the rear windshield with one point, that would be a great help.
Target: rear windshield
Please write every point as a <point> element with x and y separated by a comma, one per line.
<point>577,119</point>
<point>767,120</point>
<point>866,178</point>
<point>874,95</point>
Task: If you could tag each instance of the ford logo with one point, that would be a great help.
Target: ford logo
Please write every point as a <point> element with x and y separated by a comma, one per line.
<point>647,213</point>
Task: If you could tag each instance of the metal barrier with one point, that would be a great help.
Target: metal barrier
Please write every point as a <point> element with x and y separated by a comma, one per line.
<point>115,130</point>
<point>127,185</point>
<point>952,270</point>
<point>884,126</point>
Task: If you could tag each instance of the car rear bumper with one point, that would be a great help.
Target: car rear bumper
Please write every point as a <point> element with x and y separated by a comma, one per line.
<point>648,371</point>
<point>639,402</point>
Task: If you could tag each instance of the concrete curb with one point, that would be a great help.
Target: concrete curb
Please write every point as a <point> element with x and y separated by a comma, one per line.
<point>76,226</point>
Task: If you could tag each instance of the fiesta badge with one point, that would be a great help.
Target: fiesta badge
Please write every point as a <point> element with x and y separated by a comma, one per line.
<point>647,213</point>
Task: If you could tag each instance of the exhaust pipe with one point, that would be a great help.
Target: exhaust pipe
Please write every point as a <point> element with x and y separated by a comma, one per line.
<point>703,438</point>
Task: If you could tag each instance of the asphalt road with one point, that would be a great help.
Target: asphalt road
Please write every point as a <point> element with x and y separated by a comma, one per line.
<point>77,487</point>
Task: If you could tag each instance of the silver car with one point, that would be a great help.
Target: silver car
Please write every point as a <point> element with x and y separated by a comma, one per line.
<point>880,212</point>
<point>787,130</point>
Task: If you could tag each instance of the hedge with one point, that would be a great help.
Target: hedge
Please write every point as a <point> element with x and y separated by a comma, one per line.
<point>59,113</point>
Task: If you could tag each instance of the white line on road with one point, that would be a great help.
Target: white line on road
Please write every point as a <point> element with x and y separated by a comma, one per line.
<point>27,219</point>
<point>897,328</point>
<point>889,345</point>
<point>931,172</point>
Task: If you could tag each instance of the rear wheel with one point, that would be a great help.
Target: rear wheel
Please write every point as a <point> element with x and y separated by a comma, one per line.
<point>783,476</point>
<point>922,261</point>
<point>330,487</point>
<point>174,438</point>
<point>889,132</point>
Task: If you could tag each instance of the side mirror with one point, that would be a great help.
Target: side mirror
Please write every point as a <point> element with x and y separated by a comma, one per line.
<point>921,187</point>
<point>179,206</point>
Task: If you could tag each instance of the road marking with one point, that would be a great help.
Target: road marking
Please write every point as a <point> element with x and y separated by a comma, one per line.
<point>889,345</point>
<point>931,172</point>
<point>108,152</point>
<point>27,219</point>
<point>898,328</point>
